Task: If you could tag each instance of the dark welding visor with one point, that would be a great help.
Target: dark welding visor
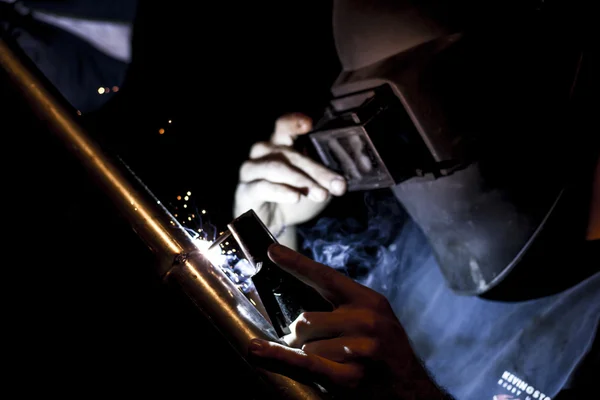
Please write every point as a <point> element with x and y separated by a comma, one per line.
<point>467,132</point>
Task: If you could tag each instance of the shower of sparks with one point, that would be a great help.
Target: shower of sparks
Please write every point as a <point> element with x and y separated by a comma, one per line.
<point>214,255</point>
<point>228,256</point>
<point>237,269</point>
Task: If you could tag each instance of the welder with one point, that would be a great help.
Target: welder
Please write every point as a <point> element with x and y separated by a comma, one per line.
<point>476,272</point>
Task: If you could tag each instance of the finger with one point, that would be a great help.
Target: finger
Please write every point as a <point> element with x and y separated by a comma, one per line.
<point>311,326</point>
<point>298,362</point>
<point>261,149</point>
<point>331,284</point>
<point>288,127</point>
<point>315,325</point>
<point>264,191</point>
<point>345,349</point>
<point>348,165</point>
<point>276,170</point>
<point>326,178</point>
<point>361,159</point>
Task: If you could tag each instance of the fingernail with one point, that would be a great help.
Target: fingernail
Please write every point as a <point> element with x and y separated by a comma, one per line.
<point>276,252</point>
<point>338,186</point>
<point>302,126</point>
<point>256,346</point>
<point>274,249</point>
<point>317,195</point>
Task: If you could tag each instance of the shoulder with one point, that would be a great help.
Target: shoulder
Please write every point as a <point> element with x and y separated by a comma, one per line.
<point>584,380</point>
<point>585,377</point>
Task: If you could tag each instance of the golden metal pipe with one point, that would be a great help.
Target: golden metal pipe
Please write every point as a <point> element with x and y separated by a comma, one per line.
<point>180,261</point>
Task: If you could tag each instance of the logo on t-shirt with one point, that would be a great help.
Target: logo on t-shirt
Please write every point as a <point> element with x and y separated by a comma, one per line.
<point>519,389</point>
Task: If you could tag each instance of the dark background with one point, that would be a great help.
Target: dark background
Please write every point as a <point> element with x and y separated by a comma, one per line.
<point>222,75</point>
<point>84,311</point>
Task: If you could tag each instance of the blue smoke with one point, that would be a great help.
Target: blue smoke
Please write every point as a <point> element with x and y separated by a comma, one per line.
<point>356,248</point>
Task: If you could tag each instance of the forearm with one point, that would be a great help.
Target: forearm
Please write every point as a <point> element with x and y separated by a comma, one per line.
<point>274,221</point>
<point>289,238</point>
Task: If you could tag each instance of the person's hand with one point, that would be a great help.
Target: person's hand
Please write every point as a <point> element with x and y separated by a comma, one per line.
<point>359,350</point>
<point>282,186</point>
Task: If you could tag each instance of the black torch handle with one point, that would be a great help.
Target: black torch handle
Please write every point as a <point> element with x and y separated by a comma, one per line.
<point>284,296</point>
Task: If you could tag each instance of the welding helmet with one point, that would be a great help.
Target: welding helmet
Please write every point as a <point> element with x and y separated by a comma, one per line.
<point>484,138</point>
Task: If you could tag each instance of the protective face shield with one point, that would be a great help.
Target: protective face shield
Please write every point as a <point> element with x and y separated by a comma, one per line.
<point>468,128</point>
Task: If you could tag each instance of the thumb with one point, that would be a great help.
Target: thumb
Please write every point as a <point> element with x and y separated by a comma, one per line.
<point>288,126</point>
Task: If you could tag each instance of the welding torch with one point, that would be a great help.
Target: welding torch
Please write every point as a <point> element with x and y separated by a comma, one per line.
<point>283,296</point>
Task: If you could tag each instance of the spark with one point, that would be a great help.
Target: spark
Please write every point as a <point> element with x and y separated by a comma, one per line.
<point>226,259</point>
<point>213,255</point>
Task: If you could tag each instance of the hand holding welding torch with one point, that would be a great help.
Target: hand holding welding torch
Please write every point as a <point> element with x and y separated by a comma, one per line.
<point>284,187</point>
<point>358,350</point>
